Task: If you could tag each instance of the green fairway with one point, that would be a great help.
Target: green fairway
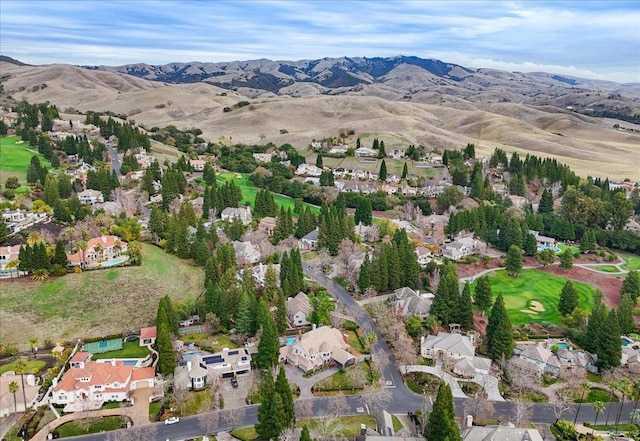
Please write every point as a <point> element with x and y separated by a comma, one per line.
<point>534,285</point>
<point>15,157</point>
<point>249,191</point>
<point>631,263</point>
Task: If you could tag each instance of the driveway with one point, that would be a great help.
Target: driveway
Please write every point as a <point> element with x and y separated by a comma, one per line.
<point>234,398</point>
<point>296,376</point>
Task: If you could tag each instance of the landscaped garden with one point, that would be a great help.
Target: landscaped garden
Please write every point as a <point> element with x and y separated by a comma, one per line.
<point>31,366</point>
<point>96,425</point>
<point>130,349</point>
<point>348,381</point>
<point>533,296</point>
<point>631,263</point>
<point>423,383</point>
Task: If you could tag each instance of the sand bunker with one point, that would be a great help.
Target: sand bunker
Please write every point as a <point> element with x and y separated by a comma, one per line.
<point>536,306</point>
<point>528,311</point>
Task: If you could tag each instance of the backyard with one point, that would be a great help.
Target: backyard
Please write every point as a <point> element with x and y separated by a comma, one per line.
<point>533,295</point>
<point>131,349</point>
<point>96,303</point>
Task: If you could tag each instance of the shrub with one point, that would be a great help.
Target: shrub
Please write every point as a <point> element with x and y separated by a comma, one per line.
<point>565,431</point>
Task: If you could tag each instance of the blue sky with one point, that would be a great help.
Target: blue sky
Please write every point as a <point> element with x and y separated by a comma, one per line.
<point>591,39</point>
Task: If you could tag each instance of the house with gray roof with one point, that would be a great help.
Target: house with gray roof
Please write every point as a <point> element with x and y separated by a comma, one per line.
<point>298,309</point>
<point>456,352</point>
<point>242,213</point>
<point>309,242</point>
<point>500,433</point>
<point>408,303</point>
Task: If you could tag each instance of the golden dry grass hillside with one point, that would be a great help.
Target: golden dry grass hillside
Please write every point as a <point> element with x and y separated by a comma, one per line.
<point>589,145</point>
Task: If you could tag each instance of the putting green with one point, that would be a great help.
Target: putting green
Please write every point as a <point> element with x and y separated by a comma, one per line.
<point>534,285</point>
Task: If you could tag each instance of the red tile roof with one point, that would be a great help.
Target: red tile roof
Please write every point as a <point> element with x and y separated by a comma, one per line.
<point>149,332</point>
<point>80,357</point>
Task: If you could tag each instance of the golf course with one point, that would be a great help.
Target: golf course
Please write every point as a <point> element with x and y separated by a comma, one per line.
<point>15,156</point>
<point>533,296</point>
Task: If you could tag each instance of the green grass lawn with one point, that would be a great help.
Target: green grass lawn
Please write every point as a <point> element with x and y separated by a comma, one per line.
<point>563,246</point>
<point>249,191</point>
<point>596,394</point>
<point>342,380</point>
<point>90,304</point>
<point>606,268</point>
<point>98,425</point>
<point>130,349</point>
<point>32,366</point>
<point>536,285</point>
<point>631,263</point>
<point>15,158</point>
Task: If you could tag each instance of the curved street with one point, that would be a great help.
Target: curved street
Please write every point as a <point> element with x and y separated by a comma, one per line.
<point>398,399</point>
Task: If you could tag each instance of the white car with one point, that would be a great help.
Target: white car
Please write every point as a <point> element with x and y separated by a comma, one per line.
<point>171,420</point>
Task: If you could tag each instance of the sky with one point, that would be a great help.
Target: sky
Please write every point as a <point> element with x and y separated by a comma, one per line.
<point>589,39</point>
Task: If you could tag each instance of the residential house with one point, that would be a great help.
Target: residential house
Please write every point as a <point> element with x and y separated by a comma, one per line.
<point>267,225</point>
<point>543,241</point>
<point>199,370</point>
<point>263,157</point>
<point>368,233</point>
<point>98,249</point>
<point>155,199</point>
<point>393,179</point>
<point>8,254</point>
<point>631,359</point>
<point>339,172</point>
<point>18,220</point>
<point>339,149</point>
<point>456,352</point>
<point>408,303</point>
<point>88,384</point>
<point>309,242</point>
<point>317,348</point>
<point>536,358</point>
<point>384,423</point>
<point>365,152</point>
<point>308,170</point>
<point>197,164</point>
<point>90,196</point>
<point>500,433</point>
<point>518,201</point>
<point>148,335</point>
<point>462,247</point>
<point>368,189</point>
<point>396,154</point>
<point>299,309</point>
<point>259,272</point>
<point>246,253</point>
<point>144,160</point>
<point>31,389</point>
<point>242,213</point>
<point>424,256</point>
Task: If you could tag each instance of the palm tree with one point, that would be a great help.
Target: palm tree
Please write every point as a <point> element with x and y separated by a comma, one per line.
<point>598,406</point>
<point>614,385</point>
<point>624,386</point>
<point>81,246</point>
<point>33,342</point>
<point>634,416</point>
<point>21,368</point>
<point>584,387</point>
<point>33,238</point>
<point>13,388</point>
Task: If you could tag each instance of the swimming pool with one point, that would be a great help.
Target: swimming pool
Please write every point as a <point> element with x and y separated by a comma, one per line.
<point>116,261</point>
<point>548,247</point>
<point>129,362</point>
<point>562,345</point>
<point>626,341</point>
<point>189,355</point>
<point>290,340</point>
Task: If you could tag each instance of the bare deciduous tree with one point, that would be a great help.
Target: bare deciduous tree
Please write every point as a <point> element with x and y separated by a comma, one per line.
<point>375,399</point>
<point>560,409</point>
<point>338,406</point>
<point>180,395</point>
<point>522,412</point>
<point>233,418</point>
<point>304,408</point>
<point>209,422</point>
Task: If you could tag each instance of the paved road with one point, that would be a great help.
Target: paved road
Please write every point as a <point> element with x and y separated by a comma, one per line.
<point>400,401</point>
<point>115,160</point>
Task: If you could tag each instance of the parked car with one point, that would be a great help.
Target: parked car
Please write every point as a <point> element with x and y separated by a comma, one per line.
<point>171,420</point>
<point>234,382</point>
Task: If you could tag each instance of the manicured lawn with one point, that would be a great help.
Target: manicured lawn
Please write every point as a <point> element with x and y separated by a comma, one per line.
<point>91,304</point>
<point>350,424</point>
<point>596,394</point>
<point>631,263</point>
<point>249,191</point>
<point>32,366</point>
<point>130,349</point>
<point>15,158</point>
<point>213,343</point>
<point>99,425</point>
<point>534,285</point>
<point>345,380</point>
<point>564,246</point>
<point>606,268</point>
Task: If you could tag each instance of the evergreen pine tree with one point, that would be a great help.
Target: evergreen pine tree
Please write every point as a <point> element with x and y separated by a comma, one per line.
<point>483,297</point>
<point>631,286</point>
<point>546,202</point>
<point>383,271</point>
<point>281,314</point>
<point>4,232</point>
<point>596,319</point>
<point>167,361</point>
<point>405,171</point>
<point>568,298</point>
<point>243,316</point>
<point>363,211</point>
<point>447,295</point>
<point>530,245</point>
<point>268,347</point>
<point>60,256</point>
<point>588,242</point>
<point>442,425</point>
<point>514,261</point>
<point>284,390</point>
<point>25,258</point>
<point>382,174</point>
<point>305,435</point>
<point>609,349</point>
<point>566,259</point>
<point>364,278</point>
<point>319,161</point>
<point>268,426</point>
<point>395,268</point>
<point>465,308</point>
<point>499,334</point>
<point>625,314</point>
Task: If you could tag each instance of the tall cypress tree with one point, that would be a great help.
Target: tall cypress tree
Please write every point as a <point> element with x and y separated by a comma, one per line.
<point>447,298</point>
<point>499,334</point>
<point>269,347</point>
<point>625,314</point>
<point>631,286</point>
<point>483,297</point>
<point>465,308</point>
<point>442,424</point>
<point>596,319</point>
<point>364,278</point>
<point>568,298</point>
<point>284,390</point>
<point>382,175</point>
<point>546,202</point>
<point>271,417</point>
<point>405,171</point>
<point>60,256</point>
<point>609,349</point>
